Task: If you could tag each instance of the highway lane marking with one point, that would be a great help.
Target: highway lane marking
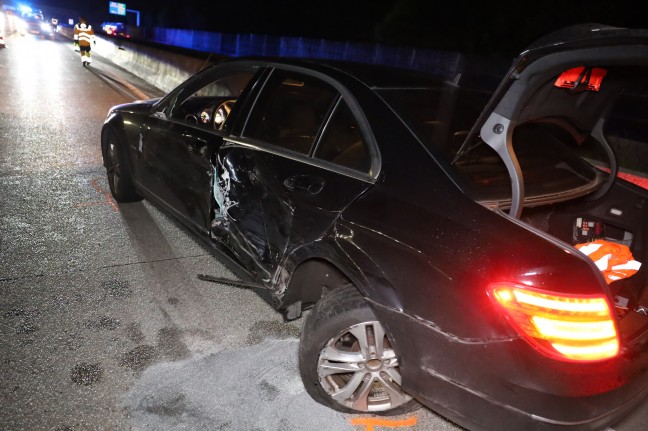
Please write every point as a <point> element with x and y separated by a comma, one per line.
<point>370,424</point>
<point>108,200</point>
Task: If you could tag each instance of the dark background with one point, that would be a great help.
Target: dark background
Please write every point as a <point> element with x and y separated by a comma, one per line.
<point>497,28</point>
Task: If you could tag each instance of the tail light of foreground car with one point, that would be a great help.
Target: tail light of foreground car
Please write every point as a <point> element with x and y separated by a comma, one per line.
<point>574,328</point>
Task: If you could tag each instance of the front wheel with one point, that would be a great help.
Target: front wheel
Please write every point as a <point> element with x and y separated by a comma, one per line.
<point>119,177</point>
<point>347,361</point>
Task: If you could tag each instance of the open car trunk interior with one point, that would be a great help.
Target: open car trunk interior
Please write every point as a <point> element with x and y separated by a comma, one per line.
<point>621,217</point>
<point>562,136</point>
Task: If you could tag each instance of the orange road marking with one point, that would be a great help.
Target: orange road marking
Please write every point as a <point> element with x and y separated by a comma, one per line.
<point>371,423</point>
<point>108,200</point>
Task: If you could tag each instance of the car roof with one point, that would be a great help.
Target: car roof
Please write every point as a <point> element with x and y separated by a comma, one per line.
<point>372,75</point>
<point>379,76</point>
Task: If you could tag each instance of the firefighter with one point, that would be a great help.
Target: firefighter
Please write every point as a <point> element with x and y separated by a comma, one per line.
<point>85,34</point>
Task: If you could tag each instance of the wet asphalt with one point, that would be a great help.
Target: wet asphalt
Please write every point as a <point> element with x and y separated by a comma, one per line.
<point>103,322</point>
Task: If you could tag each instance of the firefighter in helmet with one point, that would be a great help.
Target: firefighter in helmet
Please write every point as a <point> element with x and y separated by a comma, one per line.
<point>84,33</point>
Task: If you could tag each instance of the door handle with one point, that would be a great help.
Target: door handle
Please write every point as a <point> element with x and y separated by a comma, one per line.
<point>307,183</point>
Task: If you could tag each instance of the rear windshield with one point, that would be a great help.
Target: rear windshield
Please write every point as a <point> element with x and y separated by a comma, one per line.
<point>442,119</point>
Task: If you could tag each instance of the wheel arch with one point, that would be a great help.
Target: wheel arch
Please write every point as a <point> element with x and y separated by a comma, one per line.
<point>114,124</point>
<point>307,282</point>
<point>307,272</point>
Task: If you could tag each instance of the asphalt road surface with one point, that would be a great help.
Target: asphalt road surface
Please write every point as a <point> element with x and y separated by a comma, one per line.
<point>103,322</point>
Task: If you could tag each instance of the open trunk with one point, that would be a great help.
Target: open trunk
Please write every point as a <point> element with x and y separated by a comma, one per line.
<point>619,217</point>
<point>557,143</point>
<point>570,195</point>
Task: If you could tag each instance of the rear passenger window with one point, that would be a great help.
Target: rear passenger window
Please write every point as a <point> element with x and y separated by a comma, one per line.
<point>342,142</point>
<point>290,111</point>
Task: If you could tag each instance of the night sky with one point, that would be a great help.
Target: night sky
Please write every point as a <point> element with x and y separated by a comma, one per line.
<point>499,28</point>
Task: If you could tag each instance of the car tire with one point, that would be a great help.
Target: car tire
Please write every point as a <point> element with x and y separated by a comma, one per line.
<point>335,370</point>
<point>119,176</point>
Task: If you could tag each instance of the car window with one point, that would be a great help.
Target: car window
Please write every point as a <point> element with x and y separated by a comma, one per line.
<point>208,100</point>
<point>290,111</point>
<point>342,141</point>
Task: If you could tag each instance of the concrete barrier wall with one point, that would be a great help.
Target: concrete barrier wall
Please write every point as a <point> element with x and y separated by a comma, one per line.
<point>445,63</point>
<point>162,69</point>
<point>159,67</point>
<point>165,57</point>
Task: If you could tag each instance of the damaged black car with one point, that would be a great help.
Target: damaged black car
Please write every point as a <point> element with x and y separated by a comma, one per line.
<point>478,251</point>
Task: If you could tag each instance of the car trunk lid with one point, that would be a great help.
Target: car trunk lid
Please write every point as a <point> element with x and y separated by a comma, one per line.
<point>538,87</point>
<point>572,78</point>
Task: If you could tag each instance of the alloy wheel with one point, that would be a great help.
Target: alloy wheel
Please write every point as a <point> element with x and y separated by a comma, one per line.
<point>359,369</point>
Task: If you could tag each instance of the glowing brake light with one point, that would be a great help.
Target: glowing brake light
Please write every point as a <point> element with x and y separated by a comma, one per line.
<point>565,327</point>
<point>582,79</point>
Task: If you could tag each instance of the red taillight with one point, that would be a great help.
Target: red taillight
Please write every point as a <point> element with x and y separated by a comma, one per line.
<point>583,78</point>
<point>565,327</point>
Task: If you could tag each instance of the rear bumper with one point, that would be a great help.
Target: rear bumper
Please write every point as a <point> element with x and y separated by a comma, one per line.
<point>506,385</point>
<point>478,411</point>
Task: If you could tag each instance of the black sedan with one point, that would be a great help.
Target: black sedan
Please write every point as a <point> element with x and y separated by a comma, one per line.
<point>430,223</point>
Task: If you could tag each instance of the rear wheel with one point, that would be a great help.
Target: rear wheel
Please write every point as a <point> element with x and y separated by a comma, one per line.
<point>346,360</point>
<point>119,177</point>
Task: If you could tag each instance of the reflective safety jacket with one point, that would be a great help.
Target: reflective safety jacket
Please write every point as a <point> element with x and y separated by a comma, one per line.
<point>614,260</point>
<point>84,33</point>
